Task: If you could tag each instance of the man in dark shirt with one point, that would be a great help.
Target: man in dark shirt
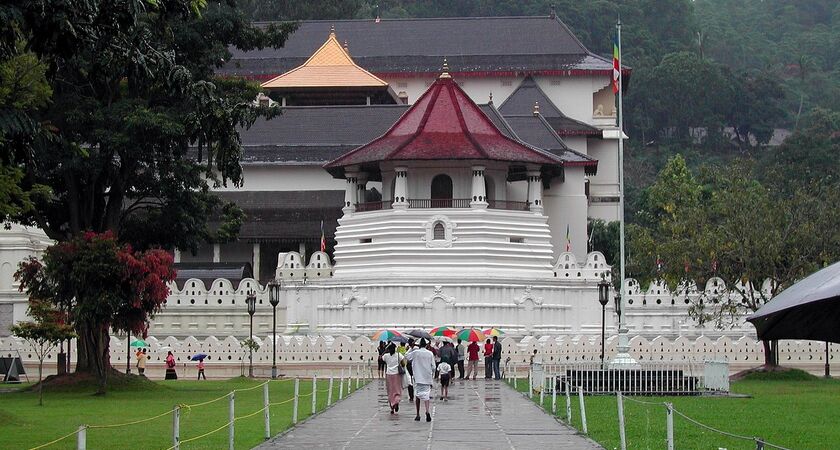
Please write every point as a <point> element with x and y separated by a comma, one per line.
<point>497,357</point>
<point>488,360</point>
<point>472,359</point>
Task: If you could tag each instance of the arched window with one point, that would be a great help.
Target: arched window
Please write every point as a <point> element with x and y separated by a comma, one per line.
<point>439,232</point>
<point>441,191</point>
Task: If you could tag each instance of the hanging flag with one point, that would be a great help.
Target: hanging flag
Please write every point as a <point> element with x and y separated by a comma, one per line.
<point>714,266</point>
<point>323,239</point>
<point>686,266</point>
<point>658,264</point>
<point>568,239</point>
<point>616,66</point>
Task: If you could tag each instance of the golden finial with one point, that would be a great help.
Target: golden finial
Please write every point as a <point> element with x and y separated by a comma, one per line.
<point>536,108</point>
<point>491,98</point>
<point>346,47</point>
<point>445,73</point>
<point>332,30</point>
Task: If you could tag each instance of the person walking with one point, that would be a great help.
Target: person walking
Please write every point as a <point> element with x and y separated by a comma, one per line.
<point>497,357</point>
<point>488,360</point>
<point>461,354</point>
<point>393,376</point>
<point>423,363</point>
<point>435,349</point>
<point>380,364</point>
<point>472,361</point>
<point>141,362</point>
<point>201,370</point>
<point>411,347</point>
<point>445,377</point>
<point>448,355</point>
<point>171,374</point>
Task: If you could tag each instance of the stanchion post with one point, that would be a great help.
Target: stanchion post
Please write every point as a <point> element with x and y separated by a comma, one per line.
<point>568,404</point>
<point>176,428</point>
<point>759,443</point>
<point>622,436</point>
<point>266,412</point>
<point>295,408</point>
<point>582,411</point>
<point>81,438</point>
<point>358,371</point>
<point>231,418</point>
<point>329,392</point>
<point>553,395</point>
<point>530,384</point>
<point>542,395</point>
<point>514,378</point>
<point>314,393</point>
<point>349,380</point>
<point>341,386</point>
<point>669,411</point>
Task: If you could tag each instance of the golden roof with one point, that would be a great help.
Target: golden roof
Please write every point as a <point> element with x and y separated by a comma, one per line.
<point>329,66</point>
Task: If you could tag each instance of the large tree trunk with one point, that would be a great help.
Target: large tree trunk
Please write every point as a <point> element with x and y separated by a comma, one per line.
<point>93,354</point>
<point>770,357</point>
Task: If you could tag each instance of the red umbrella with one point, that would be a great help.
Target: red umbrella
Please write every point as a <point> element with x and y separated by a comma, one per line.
<point>471,335</point>
<point>443,331</point>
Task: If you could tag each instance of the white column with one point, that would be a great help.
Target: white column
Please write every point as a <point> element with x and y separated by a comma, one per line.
<point>217,253</point>
<point>401,188</point>
<point>176,254</point>
<point>350,193</point>
<point>302,251</point>
<point>479,189</point>
<point>361,186</point>
<point>256,262</point>
<point>535,191</point>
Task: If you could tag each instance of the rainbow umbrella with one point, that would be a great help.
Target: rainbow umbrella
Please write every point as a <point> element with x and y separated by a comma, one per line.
<point>443,331</point>
<point>387,335</point>
<point>471,335</point>
<point>493,332</point>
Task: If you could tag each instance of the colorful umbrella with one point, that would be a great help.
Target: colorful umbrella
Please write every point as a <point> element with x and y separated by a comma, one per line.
<point>443,331</point>
<point>198,357</point>
<point>471,335</point>
<point>386,335</point>
<point>139,343</point>
<point>493,332</point>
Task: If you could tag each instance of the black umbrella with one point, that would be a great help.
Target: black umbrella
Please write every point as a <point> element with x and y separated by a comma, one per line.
<point>420,334</point>
<point>810,309</point>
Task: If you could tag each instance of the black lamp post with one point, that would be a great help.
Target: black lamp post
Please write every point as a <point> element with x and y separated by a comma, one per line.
<point>603,299</point>
<point>274,299</point>
<point>251,301</point>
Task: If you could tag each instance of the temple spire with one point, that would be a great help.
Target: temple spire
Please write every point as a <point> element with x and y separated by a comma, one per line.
<point>445,72</point>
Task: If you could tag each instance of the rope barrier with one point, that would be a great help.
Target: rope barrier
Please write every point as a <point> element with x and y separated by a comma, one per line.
<point>117,425</point>
<point>252,387</point>
<point>54,441</point>
<point>733,435</point>
<point>184,441</point>
<point>205,403</point>
<point>252,414</point>
<point>282,403</point>
<point>642,402</point>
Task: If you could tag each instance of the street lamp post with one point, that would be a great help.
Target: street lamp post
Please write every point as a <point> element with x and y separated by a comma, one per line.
<point>603,299</point>
<point>251,301</point>
<point>274,299</point>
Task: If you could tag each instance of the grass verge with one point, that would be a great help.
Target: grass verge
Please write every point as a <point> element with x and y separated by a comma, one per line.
<point>24,424</point>
<point>785,409</point>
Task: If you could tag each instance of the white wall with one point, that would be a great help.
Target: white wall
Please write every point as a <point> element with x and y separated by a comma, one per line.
<point>16,244</point>
<point>565,204</point>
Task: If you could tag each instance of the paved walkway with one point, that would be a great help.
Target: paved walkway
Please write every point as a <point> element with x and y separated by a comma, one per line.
<point>479,415</point>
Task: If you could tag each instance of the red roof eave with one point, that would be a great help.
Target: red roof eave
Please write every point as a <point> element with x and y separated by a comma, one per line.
<point>478,74</point>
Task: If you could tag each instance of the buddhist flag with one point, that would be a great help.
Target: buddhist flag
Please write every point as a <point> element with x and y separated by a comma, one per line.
<point>616,66</point>
<point>568,239</point>
<point>323,239</point>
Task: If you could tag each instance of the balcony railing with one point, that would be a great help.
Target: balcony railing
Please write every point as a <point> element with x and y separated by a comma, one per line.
<point>427,203</point>
<point>508,205</point>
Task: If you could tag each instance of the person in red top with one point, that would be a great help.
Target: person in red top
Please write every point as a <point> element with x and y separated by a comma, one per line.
<point>472,359</point>
<point>488,358</point>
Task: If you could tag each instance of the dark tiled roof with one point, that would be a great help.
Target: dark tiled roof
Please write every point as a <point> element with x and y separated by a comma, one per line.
<point>287,215</point>
<point>316,134</point>
<point>535,130</point>
<point>471,44</point>
<point>521,102</point>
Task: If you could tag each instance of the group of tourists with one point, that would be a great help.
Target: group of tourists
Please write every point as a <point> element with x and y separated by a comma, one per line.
<point>415,366</point>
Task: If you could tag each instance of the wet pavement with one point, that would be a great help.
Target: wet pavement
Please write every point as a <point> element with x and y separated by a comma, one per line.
<point>479,415</point>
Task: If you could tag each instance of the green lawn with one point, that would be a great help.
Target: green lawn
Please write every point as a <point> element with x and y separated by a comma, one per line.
<point>794,414</point>
<point>24,424</point>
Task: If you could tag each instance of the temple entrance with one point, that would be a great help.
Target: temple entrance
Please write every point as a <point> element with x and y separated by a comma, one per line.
<point>441,191</point>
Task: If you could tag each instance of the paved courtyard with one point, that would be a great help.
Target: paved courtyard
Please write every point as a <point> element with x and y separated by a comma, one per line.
<point>479,415</point>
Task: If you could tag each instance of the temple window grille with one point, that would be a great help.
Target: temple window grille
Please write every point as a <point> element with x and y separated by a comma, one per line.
<point>439,231</point>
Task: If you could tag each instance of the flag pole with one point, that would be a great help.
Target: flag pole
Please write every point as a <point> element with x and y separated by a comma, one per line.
<point>622,358</point>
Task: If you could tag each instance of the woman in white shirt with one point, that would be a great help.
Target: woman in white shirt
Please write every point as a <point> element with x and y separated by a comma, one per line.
<point>393,377</point>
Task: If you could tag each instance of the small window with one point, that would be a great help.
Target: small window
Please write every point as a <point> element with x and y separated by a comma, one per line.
<point>365,241</point>
<point>517,240</point>
<point>439,232</point>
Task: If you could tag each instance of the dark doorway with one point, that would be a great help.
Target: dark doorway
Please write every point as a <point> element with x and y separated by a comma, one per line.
<point>441,191</point>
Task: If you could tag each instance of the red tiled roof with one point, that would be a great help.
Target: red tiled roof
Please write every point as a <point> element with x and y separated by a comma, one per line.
<point>444,124</point>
